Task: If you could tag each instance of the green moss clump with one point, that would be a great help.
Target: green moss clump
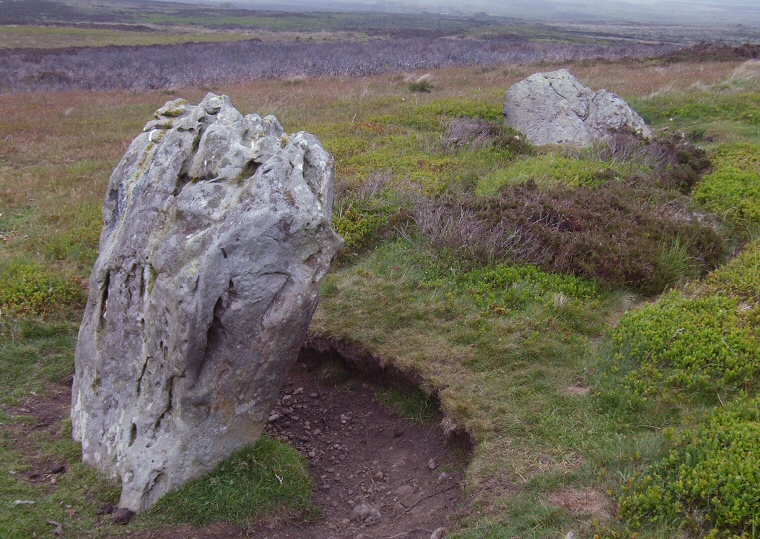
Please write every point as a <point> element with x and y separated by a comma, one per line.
<point>740,278</point>
<point>504,287</point>
<point>686,351</point>
<point>547,171</point>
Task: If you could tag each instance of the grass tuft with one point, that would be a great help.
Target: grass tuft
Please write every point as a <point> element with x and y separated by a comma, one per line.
<point>255,481</point>
<point>412,405</point>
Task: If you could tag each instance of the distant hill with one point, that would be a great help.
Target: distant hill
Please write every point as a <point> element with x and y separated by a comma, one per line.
<point>645,11</point>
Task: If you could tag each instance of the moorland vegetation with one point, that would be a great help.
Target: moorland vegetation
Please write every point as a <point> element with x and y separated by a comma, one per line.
<point>588,317</point>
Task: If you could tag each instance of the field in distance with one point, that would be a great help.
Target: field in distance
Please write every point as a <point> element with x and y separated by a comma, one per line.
<point>69,23</point>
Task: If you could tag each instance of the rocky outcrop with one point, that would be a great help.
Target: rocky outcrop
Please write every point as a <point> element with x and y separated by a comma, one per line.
<point>217,233</point>
<point>554,108</point>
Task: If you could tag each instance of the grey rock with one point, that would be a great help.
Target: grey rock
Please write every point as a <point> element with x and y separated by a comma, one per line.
<point>405,491</point>
<point>217,231</point>
<point>438,533</point>
<point>366,514</point>
<point>555,108</point>
<point>122,516</point>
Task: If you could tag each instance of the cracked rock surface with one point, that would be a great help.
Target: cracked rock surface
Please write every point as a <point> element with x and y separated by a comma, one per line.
<point>555,108</point>
<point>217,231</point>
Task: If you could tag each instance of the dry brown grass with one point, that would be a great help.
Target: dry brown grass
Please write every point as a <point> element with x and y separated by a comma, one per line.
<point>582,502</point>
<point>634,79</point>
<point>58,148</point>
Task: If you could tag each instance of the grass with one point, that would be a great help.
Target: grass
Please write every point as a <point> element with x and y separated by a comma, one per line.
<point>503,359</point>
<point>54,37</point>
<point>260,480</point>
<point>515,354</point>
<point>412,405</point>
<point>33,355</point>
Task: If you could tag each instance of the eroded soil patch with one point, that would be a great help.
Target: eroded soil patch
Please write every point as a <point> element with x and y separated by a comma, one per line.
<point>377,474</point>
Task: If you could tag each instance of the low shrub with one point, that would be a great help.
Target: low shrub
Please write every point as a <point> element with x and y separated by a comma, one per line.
<point>30,288</point>
<point>671,163</point>
<point>366,214</point>
<point>422,84</point>
<point>476,133</point>
<point>637,238</point>
<point>709,482</point>
<point>701,347</point>
<point>703,344</point>
<point>458,232</point>
<point>733,189</point>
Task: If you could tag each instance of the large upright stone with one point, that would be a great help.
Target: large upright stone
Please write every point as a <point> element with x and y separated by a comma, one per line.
<point>554,108</point>
<point>217,233</point>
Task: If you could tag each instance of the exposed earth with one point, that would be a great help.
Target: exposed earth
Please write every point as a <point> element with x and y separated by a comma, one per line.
<point>377,475</point>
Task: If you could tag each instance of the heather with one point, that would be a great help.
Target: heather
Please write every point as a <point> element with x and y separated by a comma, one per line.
<point>164,66</point>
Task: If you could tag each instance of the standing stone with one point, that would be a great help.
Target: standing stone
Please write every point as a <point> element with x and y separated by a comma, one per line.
<point>217,233</point>
<point>554,108</point>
